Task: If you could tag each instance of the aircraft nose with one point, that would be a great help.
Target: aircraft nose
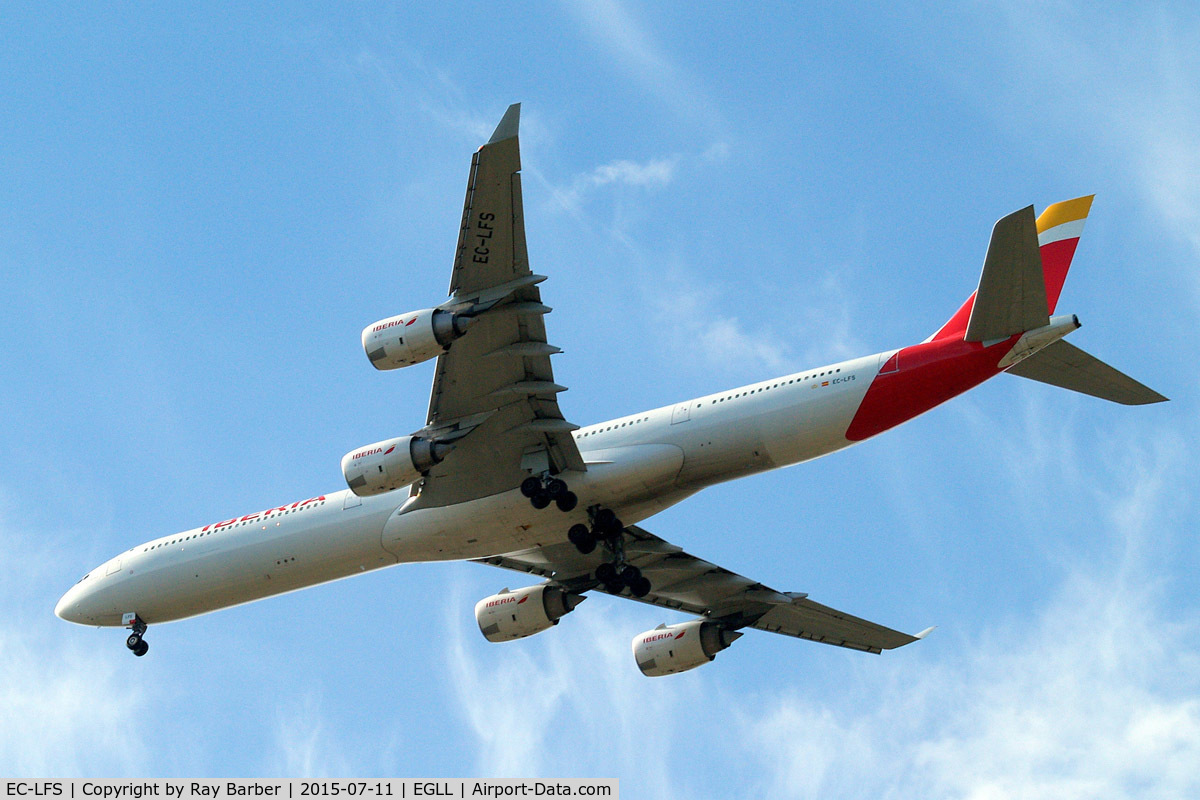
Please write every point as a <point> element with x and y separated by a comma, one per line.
<point>68,607</point>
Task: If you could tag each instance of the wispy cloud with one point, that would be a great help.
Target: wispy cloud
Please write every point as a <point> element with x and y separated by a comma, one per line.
<point>698,325</point>
<point>1092,696</point>
<point>571,697</point>
<point>1147,113</point>
<point>305,746</point>
<point>649,175</point>
<point>64,711</point>
<point>635,52</point>
<point>773,335</point>
<point>410,79</point>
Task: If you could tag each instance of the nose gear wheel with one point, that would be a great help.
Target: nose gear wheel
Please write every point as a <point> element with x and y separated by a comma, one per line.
<point>137,645</point>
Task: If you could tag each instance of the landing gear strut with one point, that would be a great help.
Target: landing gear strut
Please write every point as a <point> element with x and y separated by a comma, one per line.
<point>544,491</point>
<point>615,573</point>
<point>134,641</point>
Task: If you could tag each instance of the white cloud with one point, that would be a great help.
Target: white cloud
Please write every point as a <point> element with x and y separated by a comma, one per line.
<point>657,172</point>
<point>64,711</point>
<point>652,174</point>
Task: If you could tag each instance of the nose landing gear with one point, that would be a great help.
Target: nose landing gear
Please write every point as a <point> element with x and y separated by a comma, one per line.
<point>134,641</point>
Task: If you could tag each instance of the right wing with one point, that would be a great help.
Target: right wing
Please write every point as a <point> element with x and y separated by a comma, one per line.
<point>683,582</point>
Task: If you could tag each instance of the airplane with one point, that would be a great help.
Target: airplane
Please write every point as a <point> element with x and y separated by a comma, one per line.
<point>498,475</point>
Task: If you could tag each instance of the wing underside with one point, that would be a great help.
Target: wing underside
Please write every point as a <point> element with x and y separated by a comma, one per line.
<point>497,379</point>
<point>683,582</point>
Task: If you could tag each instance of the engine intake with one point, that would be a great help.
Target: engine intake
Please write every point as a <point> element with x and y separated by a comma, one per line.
<point>390,464</point>
<point>411,338</point>
<point>677,648</point>
<point>515,615</point>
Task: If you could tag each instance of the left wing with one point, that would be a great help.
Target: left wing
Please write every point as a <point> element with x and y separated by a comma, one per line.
<point>684,582</point>
<point>496,380</point>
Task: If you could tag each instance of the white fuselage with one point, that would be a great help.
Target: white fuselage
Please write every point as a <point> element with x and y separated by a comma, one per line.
<point>636,465</point>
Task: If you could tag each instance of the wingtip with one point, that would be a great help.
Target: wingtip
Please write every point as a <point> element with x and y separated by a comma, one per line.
<point>509,123</point>
<point>925,632</point>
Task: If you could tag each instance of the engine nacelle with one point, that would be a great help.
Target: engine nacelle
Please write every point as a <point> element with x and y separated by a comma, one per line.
<point>677,648</point>
<point>411,338</point>
<point>388,465</point>
<point>515,615</point>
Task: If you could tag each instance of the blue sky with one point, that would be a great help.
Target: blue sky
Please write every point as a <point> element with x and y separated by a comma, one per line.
<point>202,207</point>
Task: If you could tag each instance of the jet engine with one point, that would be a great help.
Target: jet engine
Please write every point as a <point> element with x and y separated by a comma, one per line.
<point>515,615</point>
<point>411,338</point>
<point>677,648</point>
<point>388,465</point>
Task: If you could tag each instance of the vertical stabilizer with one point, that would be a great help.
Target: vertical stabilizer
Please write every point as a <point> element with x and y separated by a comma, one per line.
<point>1058,230</point>
<point>1011,297</point>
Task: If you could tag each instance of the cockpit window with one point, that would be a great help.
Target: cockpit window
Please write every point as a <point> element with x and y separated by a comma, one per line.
<point>84,578</point>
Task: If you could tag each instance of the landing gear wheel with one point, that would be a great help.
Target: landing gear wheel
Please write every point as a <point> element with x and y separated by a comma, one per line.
<point>141,649</point>
<point>606,573</point>
<point>629,574</point>
<point>540,500</point>
<point>606,522</point>
<point>134,641</point>
<point>566,501</point>
<point>556,487</point>
<point>582,538</point>
<point>640,587</point>
<point>604,519</point>
<point>531,486</point>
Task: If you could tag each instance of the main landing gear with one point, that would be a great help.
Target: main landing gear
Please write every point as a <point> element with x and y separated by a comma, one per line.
<point>615,574</point>
<point>544,491</point>
<point>134,641</point>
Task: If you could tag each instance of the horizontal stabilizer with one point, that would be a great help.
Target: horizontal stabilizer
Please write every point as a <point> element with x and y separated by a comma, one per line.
<point>1011,297</point>
<point>1066,366</point>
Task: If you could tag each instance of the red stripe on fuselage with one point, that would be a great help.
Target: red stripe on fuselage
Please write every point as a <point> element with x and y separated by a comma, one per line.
<point>920,377</point>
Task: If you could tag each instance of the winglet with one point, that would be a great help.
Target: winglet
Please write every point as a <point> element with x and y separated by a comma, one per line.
<point>507,129</point>
<point>925,632</point>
